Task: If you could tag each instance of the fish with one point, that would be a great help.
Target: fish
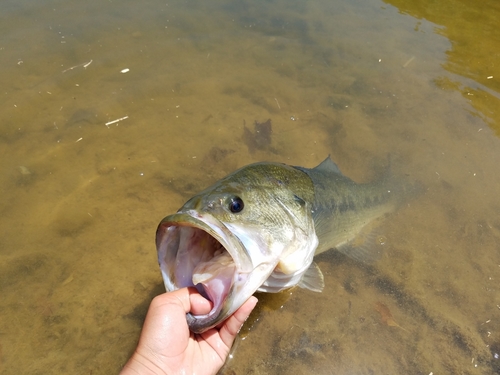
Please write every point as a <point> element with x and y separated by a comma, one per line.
<point>259,228</point>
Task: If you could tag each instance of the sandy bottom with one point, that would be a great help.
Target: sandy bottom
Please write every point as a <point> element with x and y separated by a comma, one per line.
<point>82,195</point>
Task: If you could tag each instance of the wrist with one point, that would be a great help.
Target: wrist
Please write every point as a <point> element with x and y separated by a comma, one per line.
<point>139,365</point>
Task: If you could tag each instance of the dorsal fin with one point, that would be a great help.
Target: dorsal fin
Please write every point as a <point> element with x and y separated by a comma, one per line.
<point>327,165</point>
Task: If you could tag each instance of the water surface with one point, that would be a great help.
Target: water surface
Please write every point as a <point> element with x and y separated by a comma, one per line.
<point>364,81</point>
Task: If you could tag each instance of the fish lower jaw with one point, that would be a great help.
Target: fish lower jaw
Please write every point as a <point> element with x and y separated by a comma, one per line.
<point>202,323</point>
<point>226,298</point>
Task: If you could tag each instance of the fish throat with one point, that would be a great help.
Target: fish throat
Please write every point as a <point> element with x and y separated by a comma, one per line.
<point>197,251</point>
<point>203,262</point>
<point>200,261</point>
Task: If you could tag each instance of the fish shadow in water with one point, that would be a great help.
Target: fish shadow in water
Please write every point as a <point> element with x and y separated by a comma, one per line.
<point>260,139</point>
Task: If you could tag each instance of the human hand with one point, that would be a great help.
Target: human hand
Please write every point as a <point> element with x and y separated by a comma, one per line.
<point>167,346</point>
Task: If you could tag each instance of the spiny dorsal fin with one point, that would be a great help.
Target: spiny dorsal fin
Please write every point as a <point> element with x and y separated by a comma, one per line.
<point>313,279</point>
<point>328,165</point>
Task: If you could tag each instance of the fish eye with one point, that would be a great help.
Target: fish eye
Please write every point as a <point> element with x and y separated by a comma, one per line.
<point>236,205</point>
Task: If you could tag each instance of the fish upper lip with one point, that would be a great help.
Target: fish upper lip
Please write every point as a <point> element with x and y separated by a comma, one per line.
<point>217,230</point>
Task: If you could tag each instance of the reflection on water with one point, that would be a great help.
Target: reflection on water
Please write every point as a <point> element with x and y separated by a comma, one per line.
<point>460,25</point>
<point>475,37</point>
<point>358,80</point>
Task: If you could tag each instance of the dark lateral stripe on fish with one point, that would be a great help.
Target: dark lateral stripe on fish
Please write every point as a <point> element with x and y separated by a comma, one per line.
<point>349,203</point>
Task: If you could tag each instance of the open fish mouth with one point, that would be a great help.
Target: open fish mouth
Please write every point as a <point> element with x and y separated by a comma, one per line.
<point>199,250</point>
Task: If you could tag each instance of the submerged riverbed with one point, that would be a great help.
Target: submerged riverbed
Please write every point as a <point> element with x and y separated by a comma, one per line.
<point>114,114</point>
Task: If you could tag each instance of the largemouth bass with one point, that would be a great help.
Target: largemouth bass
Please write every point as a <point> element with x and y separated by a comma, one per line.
<point>259,228</point>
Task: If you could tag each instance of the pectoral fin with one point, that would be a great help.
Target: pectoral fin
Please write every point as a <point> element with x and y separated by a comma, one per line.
<point>312,279</point>
<point>367,247</point>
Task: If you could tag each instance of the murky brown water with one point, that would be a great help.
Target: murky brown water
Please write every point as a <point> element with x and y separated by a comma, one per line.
<point>359,80</point>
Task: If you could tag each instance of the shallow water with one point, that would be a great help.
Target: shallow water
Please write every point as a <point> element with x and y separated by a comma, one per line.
<point>360,80</point>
